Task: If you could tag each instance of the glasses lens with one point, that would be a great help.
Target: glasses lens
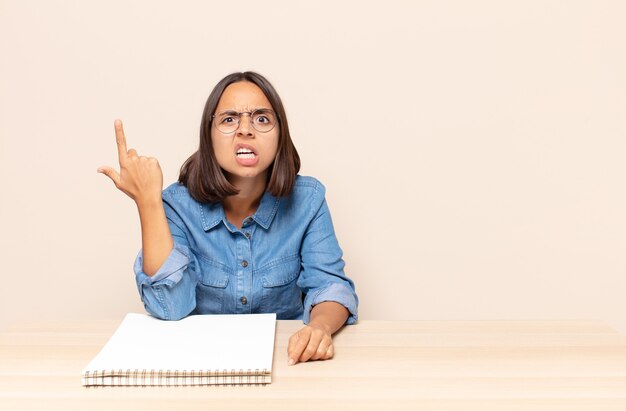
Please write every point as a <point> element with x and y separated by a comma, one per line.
<point>227,122</point>
<point>263,120</point>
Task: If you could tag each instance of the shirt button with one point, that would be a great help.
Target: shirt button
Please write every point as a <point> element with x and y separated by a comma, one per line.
<point>248,235</point>
<point>244,300</point>
<point>244,263</point>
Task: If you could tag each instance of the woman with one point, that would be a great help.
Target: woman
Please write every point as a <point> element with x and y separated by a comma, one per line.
<point>240,232</point>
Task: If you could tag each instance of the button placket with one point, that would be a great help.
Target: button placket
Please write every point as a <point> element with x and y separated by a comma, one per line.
<point>244,255</point>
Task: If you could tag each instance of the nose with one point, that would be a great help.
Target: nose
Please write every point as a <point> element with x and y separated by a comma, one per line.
<point>245,125</point>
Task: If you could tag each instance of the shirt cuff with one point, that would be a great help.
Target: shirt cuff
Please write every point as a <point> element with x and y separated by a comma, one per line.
<point>338,293</point>
<point>170,273</point>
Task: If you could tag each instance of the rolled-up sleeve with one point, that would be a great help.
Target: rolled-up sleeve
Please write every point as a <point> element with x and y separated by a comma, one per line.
<point>322,277</point>
<point>170,293</point>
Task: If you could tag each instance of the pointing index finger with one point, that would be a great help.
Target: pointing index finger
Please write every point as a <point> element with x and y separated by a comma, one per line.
<point>121,140</point>
<point>297,343</point>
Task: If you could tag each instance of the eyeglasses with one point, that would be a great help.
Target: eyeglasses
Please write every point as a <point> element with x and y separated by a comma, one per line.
<point>263,120</point>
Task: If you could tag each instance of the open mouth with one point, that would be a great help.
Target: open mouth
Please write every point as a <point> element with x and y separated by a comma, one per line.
<point>245,153</point>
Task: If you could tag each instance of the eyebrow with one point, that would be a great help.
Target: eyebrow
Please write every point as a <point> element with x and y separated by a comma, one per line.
<point>231,112</point>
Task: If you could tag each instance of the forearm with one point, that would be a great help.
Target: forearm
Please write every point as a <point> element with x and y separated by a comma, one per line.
<point>329,315</point>
<point>156,239</point>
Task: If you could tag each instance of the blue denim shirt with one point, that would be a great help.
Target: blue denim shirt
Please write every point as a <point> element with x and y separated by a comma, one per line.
<point>284,259</point>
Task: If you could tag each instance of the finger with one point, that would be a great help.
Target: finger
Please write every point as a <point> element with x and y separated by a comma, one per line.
<point>297,343</point>
<point>112,174</point>
<point>121,140</point>
<point>330,353</point>
<point>132,153</point>
<point>322,349</point>
<point>311,348</point>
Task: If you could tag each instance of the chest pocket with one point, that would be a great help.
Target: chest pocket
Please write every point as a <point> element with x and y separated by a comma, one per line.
<point>212,287</point>
<point>280,292</point>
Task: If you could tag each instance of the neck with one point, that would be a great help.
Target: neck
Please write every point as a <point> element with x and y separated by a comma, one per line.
<point>246,202</point>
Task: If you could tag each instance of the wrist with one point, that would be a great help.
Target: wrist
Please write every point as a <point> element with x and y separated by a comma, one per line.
<point>147,207</point>
<point>149,204</point>
<point>321,326</point>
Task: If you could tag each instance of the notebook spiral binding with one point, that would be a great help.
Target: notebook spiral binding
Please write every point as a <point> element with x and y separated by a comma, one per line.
<point>168,378</point>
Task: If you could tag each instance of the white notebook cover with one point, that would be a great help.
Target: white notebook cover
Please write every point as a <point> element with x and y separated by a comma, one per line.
<point>197,342</point>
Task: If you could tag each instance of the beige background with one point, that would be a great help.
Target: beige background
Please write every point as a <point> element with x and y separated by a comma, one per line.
<point>473,152</point>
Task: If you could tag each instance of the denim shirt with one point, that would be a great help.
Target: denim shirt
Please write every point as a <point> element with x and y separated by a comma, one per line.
<point>285,259</point>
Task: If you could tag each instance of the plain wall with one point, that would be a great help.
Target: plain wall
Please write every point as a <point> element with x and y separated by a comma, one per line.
<point>473,152</point>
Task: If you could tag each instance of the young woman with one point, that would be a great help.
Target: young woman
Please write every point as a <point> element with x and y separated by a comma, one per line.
<point>240,232</point>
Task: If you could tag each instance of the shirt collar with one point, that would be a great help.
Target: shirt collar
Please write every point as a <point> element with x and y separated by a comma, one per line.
<point>212,214</point>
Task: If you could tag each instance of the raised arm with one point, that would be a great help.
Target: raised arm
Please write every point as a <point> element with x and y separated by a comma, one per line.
<point>142,180</point>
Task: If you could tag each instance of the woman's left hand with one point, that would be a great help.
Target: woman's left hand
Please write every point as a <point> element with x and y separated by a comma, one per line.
<point>312,342</point>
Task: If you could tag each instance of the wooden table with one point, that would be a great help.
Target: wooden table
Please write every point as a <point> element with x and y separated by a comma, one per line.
<point>378,365</point>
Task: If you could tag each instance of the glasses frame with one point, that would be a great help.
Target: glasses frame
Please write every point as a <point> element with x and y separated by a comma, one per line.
<point>239,114</point>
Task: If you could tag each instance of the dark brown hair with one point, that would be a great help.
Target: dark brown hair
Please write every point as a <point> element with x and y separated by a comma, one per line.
<point>201,173</point>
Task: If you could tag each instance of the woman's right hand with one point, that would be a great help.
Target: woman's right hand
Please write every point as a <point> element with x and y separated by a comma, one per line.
<point>140,177</point>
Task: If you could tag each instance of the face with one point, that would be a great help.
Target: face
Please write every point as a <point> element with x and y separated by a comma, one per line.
<point>245,153</point>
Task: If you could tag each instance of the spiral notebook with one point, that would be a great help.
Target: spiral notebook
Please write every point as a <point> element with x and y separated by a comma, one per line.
<point>197,350</point>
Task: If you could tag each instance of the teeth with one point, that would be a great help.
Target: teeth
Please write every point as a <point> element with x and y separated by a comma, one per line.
<point>245,153</point>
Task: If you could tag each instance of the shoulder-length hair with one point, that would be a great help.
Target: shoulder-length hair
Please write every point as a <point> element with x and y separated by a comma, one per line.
<point>201,173</point>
